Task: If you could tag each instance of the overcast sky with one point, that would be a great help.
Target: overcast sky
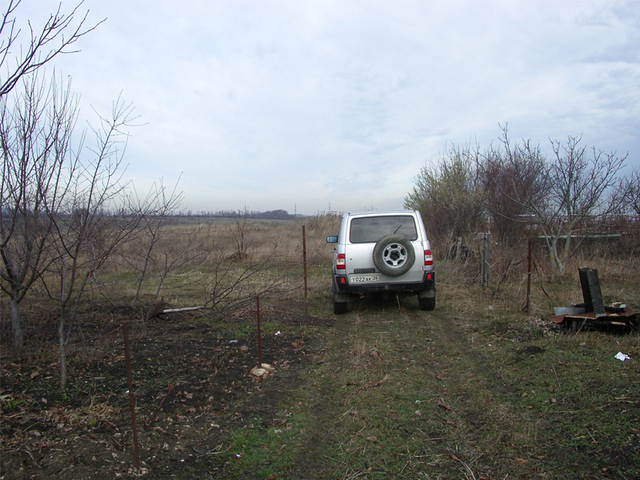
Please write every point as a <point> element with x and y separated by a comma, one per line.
<point>317,105</point>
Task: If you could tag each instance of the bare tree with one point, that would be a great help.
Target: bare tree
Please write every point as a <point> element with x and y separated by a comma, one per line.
<point>155,255</point>
<point>507,180</point>
<point>571,197</point>
<point>94,220</point>
<point>56,36</point>
<point>35,135</point>
<point>632,192</point>
<point>156,212</point>
<point>631,217</point>
<point>163,258</point>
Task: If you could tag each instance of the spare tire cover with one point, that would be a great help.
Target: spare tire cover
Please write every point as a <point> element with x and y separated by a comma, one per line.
<point>394,255</point>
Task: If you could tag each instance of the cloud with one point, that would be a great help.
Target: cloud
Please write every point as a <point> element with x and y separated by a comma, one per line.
<point>277,103</point>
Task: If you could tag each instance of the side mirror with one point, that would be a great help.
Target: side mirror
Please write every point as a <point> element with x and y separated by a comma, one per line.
<point>332,239</point>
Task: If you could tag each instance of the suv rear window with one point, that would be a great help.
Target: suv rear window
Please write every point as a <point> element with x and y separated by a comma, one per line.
<point>372,229</point>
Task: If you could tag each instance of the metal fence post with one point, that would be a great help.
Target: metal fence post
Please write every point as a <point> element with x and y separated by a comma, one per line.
<point>486,237</point>
<point>304,261</point>
<point>529,259</point>
<point>259,331</point>
<point>132,401</point>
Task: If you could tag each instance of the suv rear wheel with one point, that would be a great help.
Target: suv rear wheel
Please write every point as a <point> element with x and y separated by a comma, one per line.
<point>427,299</point>
<point>427,303</point>
<point>340,303</point>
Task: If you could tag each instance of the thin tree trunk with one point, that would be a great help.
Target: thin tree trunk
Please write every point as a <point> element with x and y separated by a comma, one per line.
<point>566,251</point>
<point>16,325</point>
<point>63,353</point>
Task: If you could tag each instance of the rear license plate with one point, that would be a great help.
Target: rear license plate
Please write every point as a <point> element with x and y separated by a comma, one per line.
<point>364,278</point>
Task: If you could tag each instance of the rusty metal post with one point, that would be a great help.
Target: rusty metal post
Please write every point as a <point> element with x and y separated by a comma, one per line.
<point>529,258</point>
<point>132,400</point>
<point>259,332</point>
<point>304,262</point>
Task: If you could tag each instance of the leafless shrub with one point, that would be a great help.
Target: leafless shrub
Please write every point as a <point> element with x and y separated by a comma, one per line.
<point>239,233</point>
<point>324,222</point>
<point>507,179</point>
<point>233,285</point>
<point>449,196</point>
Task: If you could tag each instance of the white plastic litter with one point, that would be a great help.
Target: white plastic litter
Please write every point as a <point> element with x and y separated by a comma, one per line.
<point>622,356</point>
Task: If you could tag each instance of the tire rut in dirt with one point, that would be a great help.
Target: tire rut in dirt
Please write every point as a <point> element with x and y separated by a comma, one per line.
<point>474,399</point>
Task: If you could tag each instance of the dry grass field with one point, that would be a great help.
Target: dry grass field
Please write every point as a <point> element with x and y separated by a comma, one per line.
<point>476,389</point>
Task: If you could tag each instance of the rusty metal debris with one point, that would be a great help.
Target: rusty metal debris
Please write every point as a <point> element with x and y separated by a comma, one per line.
<point>593,313</point>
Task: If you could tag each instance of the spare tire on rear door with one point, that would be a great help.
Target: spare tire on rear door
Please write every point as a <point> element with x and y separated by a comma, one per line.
<point>393,255</point>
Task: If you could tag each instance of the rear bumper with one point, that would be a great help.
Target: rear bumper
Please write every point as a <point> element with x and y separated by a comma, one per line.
<point>341,285</point>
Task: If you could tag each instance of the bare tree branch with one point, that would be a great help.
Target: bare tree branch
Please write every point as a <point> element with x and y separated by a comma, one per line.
<point>55,37</point>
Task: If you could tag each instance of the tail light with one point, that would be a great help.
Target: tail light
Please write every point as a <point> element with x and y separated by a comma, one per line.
<point>340,261</point>
<point>428,258</point>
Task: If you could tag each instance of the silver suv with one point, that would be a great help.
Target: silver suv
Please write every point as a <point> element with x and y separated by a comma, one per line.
<point>384,251</point>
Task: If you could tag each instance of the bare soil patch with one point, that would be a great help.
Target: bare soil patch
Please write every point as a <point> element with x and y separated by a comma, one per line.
<point>193,389</point>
